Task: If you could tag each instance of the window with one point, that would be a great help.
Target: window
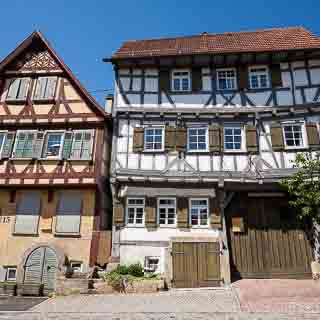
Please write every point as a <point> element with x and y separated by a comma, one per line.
<point>11,274</point>
<point>3,135</point>
<point>167,211</point>
<point>151,264</point>
<point>198,139</point>
<point>227,79</point>
<point>233,139</point>
<point>153,139</point>
<point>24,143</point>
<point>199,212</point>
<point>69,213</point>
<point>76,266</point>
<point>259,78</point>
<point>53,145</point>
<point>181,80</point>
<point>82,145</point>
<point>18,89</point>
<point>293,135</point>
<point>27,213</point>
<point>135,211</point>
<point>45,88</point>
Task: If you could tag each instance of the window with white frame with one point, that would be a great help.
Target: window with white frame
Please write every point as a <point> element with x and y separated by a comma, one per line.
<point>18,89</point>
<point>154,139</point>
<point>3,135</point>
<point>199,212</point>
<point>294,135</point>
<point>167,211</point>
<point>11,274</point>
<point>76,266</point>
<point>82,145</point>
<point>197,139</point>
<point>259,77</point>
<point>233,138</point>
<point>45,88</point>
<point>23,147</point>
<point>181,80</point>
<point>135,211</point>
<point>227,79</point>
<point>53,145</point>
<point>152,264</point>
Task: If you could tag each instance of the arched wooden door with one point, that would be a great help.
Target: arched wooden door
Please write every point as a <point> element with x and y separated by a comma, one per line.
<point>41,267</point>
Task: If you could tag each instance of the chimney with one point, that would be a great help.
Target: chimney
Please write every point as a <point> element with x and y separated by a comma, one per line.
<point>109,103</point>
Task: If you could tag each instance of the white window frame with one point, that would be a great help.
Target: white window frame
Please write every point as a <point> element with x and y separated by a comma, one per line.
<point>167,206</point>
<point>17,99</point>
<point>162,138</point>
<point>146,264</point>
<point>92,131</point>
<point>7,274</point>
<point>16,142</point>
<point>36,86</point>
<point>173,77</point>
<point>134,224</point>
<point>44,144</point>
<point>259,73</point>
<point>303,132</point>
<point>226,70</point>
<point>243,137</point>
<point>4,139</point>
<point>190,214</point>
<point>206,137</point>
<point>77,262</point>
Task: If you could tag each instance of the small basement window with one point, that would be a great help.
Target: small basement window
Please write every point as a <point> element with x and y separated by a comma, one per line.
<point>76,266</point>
<point>11,274</point>
<point>152,264</point>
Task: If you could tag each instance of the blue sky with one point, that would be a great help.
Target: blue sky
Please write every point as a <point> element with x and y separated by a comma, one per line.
<point>83,32</point>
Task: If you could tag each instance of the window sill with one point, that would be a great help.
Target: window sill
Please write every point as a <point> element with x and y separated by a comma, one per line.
<point>166,226</point>
<point>296,148</point>
<point>41,101</point>
<point>67,235</point>
<point>135,226</point>
<point>235,151</point>
<point>227,90</point>
<point>198,151</point>
<point>153,151</point>
<point>16,101</point>
<point>21,234</point>
<point>199,227</point>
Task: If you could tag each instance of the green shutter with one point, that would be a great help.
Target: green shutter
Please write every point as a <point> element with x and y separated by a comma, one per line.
<point>7,145</point>
<point>67,145</point>
<point>87,144</point>
<point>251,139</point>
<point>277,137</point>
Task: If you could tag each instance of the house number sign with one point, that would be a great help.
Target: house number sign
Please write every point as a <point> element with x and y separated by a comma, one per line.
<point>5,219</point>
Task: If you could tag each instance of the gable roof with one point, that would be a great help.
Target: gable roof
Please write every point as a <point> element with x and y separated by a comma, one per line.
<point>268,40</point>
<point>37,35</point>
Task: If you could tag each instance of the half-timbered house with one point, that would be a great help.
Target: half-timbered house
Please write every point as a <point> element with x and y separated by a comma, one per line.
<point>54,150</point>
<point>204,128</point>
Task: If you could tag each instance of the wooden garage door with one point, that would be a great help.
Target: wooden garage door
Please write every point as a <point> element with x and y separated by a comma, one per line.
<point>272,243</point>
<point>196,264</point>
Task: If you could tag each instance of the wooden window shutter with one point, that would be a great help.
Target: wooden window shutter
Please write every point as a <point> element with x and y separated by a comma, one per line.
<point>277,137</point>
<point>13,89</point>
<point>181,143</point>
<point>214,138</point>
<point>51,87</point>
<point>118,214</point>
<point>67,145</point>
<point>138,140</point>
<point>170,138</point>
<point>221,138</point>
<point>243,77</point>
<point>251,139</point>
<point>23,91</point>
<point>215,216</point>
<point>164,80</point>
<point>276,79</point>
<point>183,213</point>
<point>37,147</point>
<point>87,145</point>
<point>150,212</point>
<point>313,136</point>
<point>8,145</point>
<point>196,79</point>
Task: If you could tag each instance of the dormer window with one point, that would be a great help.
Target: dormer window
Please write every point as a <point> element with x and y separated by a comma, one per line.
<point>18,89</point>
<point>259,77</point>
<point>181,80</point>
<point>45,88</point>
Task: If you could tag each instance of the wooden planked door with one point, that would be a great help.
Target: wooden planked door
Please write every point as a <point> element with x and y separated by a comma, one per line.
<point>272,244</point>
<point>196,264</point>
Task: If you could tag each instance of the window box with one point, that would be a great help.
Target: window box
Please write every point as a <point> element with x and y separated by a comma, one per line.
<point>227,79</point>
<point>135,212</point>
<point>181,80</point>
<point>198,139</point>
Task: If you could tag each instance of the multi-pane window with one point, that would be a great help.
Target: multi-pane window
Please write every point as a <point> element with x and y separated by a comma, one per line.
<point>199,212</point>
<point>198,139</point>
<point>24,144</point>
<point>45,88</point>
<point>82,145</point>
<point>152,264</point>
<point>135,211</point>
<point>181,80</point>
<point>293,135</point>
<point>153,139</point>
<point>18,89</point>
<point>11,274</point>
<point>76,266</point>
<point>53,145</point>
<point>259,78</point>
<point>232,138</point>
<point>167,211</point>
<point>3,135</point>
<point>227,79</point>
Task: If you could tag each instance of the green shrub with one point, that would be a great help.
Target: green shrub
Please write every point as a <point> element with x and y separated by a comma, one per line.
<point>122,269</point>
<point>136,270</point>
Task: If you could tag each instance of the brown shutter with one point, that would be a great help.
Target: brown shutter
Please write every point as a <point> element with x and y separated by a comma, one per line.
<point>170,138</point>
<point>251,139</point>
<point>276,79</point>
<point>196,79</point>
<point>181,139</point>
<point>215,216</point>
<point>138,140</point>
<point>221,138</point>
<point>277,137</point>
<point>164,80</point>
<point>313,136</point>
<point>214,138</point>
<point>243,77</point>
<point>150,212</point>
<point>183,213</point>
<point>118,214</point>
